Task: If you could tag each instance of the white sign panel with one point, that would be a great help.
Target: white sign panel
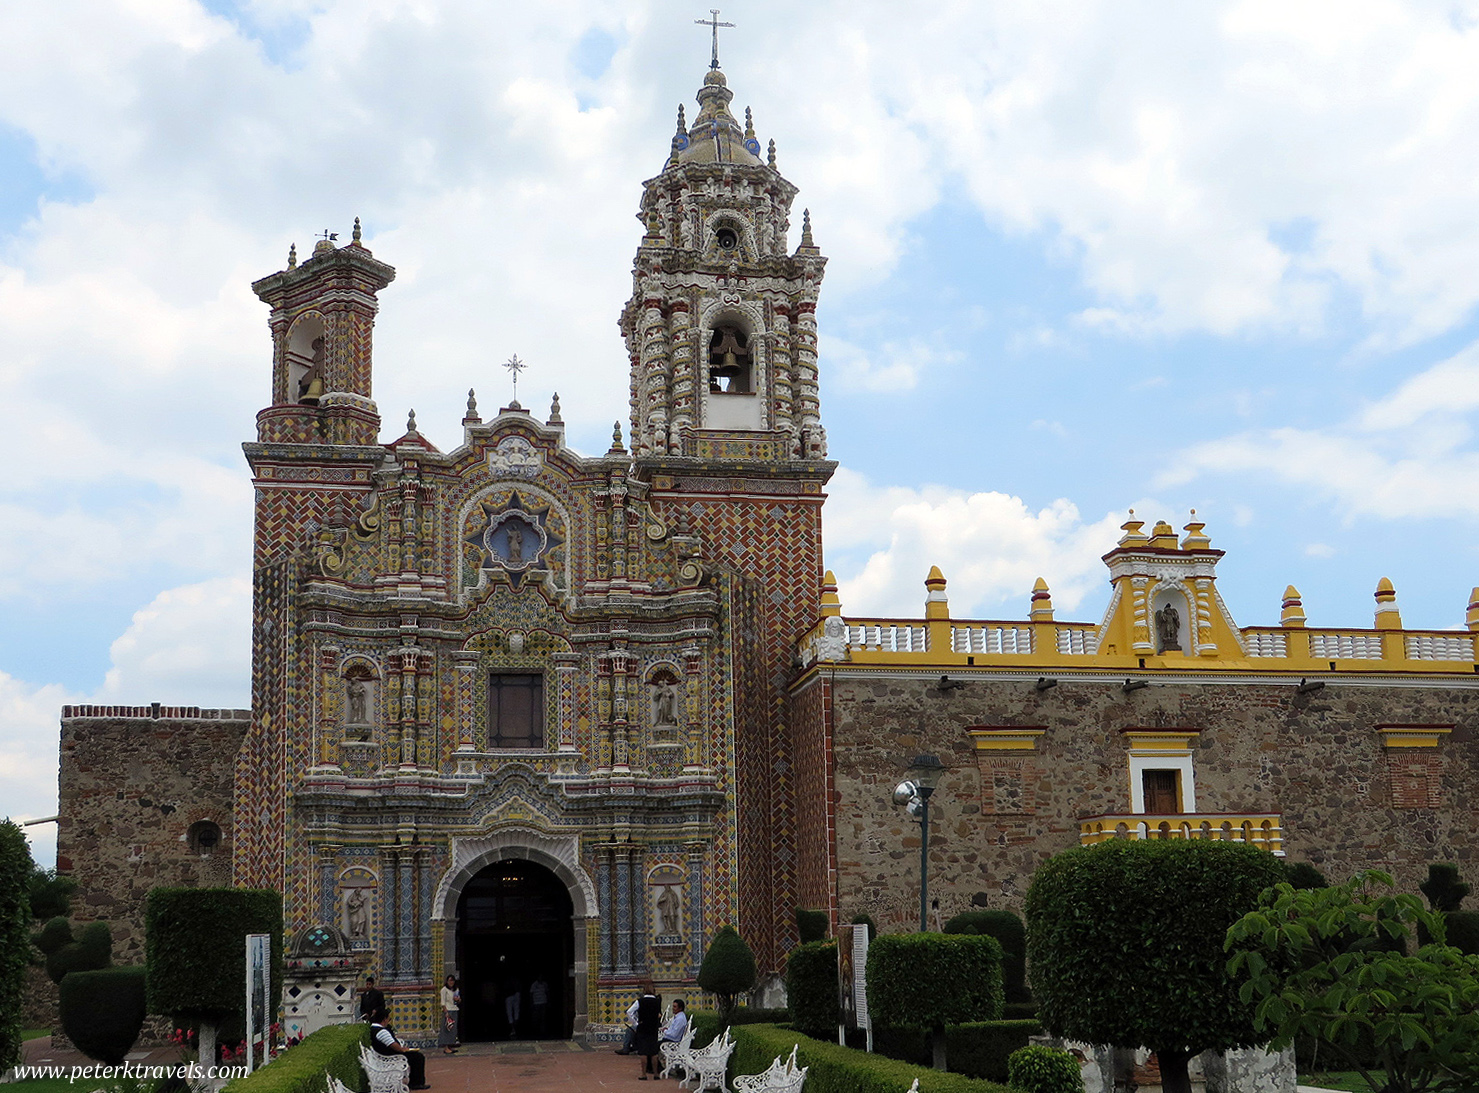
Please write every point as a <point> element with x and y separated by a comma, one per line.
<point>860,974</point>
<point>258,978</point>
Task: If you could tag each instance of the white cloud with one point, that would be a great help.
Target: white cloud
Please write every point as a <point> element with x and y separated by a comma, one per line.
<point>1408,454</point>
<point>882,540</point>
<point>30,735</point>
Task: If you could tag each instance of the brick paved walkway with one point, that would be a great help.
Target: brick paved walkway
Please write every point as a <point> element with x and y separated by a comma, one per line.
<point>547,1066</point>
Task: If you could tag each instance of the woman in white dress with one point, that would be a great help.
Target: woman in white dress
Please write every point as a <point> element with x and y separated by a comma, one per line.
<point>451,1003</point>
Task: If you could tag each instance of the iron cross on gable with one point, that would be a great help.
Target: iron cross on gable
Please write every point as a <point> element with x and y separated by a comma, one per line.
<point>713,24</point>
<point>515,366</point>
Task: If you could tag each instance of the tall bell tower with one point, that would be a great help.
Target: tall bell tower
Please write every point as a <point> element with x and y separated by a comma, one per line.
<point>726,431</point>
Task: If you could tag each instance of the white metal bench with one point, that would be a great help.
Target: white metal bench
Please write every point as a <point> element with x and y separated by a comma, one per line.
<point>674,1052</point>
<point>385,1073</point>
<point>783,1076</point>
<point>336,1086</point>
<point>708,1064</point>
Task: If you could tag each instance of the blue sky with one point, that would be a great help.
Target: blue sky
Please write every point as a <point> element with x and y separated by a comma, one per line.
<point>1083,257</point>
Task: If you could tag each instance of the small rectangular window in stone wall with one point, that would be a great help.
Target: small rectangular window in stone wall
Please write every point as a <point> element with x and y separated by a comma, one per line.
<point>1414,764</point>
<point>1006,757</point>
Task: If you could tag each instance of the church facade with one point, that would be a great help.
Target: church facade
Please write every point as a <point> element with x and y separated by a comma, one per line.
<point>525,715</point>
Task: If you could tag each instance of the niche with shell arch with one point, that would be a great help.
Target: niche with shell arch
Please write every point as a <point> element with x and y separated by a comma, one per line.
<point>1170,623</point>
<point>361,682</point>
<point>666,704</point>
<point>305,360</point>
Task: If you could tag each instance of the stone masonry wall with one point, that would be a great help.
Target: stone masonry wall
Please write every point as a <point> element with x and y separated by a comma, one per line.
<point>134,779</point>
<point>1345,800</point>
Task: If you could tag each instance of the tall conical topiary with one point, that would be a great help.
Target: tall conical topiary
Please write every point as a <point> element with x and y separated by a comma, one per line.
<point>728,970</point>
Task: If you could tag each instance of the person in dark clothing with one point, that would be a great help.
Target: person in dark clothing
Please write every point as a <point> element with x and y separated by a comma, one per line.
<point>649,1013</point>
<point>370,999</point>
<point>384,1041</point>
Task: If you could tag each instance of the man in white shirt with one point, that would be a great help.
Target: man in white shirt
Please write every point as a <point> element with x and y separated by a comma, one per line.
<point>677,1025</point>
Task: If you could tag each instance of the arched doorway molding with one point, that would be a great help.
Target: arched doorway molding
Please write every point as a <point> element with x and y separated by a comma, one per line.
<point>560,854</point>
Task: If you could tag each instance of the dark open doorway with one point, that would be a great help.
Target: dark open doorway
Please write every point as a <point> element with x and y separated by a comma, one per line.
<point>514,934</point>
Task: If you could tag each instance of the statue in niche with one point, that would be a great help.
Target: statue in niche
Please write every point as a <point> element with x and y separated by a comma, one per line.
<point>1168,629</point>
<point>357,914</point>
<point>311,386</point>
<point>664,703</point>
<point>515,543</point>
<point>356,691</point>
<point>669,902</point>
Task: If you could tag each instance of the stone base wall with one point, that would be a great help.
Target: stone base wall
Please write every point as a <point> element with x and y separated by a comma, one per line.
<point>1317,761</point>
<point>138,787</point>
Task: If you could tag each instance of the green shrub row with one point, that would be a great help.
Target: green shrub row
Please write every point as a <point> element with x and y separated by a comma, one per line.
<point>1039,1069</point>
<point>102,1011</point>
<point>195,948</point>
<point>303,1069</point>
<point>1010,932</point>
<point>977,1049</point>
<point>933,980</point>
<point>811,987</point>
<point>706,1023</point>
<point>836,1069</point>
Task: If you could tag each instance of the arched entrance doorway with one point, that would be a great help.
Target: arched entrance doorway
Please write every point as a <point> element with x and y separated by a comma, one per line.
<point>514,932</point>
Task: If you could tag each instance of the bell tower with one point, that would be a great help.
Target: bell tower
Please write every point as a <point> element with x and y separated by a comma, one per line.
<point>727,437</point>
<point>721,326</point>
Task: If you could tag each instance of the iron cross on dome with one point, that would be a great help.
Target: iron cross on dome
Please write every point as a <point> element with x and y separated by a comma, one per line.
<point>713,24</point>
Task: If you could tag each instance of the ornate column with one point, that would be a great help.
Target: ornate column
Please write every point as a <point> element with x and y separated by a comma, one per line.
<point>389,892</point>
<point>694,912</point>
<point>326,713</point>
<point>782,395</point>
<point>465,668</point>
<point>605,866</point>
<point>406,926</point>
<point>807,400</point>
<point>623,853</point>
<point>694,714</point>
<point>654,433</point>
<point>566,666</point>
<point>681,333</point>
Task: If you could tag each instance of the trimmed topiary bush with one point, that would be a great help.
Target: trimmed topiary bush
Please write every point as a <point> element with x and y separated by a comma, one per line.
<point>305,1069</point>
<point>1039,1069</point>
<point>1008,929</point>
<point>102,1011</point>
<point>1301,874</point>
<point>15,923</point>
<point>1463,930</point>
<point>812,925</point>
<point>811,988</point>
<point>932,980</point>
<point>1444,889</point>
<point>728,969</point>
<point>88,950</point>
<point>865,920</point>
<point>978,1049</point>
<point>195,950</point>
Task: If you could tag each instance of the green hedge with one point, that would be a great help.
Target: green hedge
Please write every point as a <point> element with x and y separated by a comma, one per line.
<point>930,980</point>
<point>301,1069</point>
<point>1039,1069</point>
<point>811,987</point>
<point>1008,929</point>
<point>978,1049</point>
<point>706,1024</point>
<point>102,1011</point>
<point>812,925</point>
<point>1463,930</point>
<point>195,948</point>
<point>836,1069</point>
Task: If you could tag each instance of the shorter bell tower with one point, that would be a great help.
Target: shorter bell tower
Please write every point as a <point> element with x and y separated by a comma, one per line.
<point>323,313</point>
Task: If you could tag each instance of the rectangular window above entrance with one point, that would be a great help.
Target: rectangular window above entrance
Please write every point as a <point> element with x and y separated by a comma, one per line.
<point>515,711</point>
<point>1162,792</point>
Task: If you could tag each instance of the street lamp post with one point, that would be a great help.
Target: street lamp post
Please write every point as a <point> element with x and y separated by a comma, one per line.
<point>924,776</point>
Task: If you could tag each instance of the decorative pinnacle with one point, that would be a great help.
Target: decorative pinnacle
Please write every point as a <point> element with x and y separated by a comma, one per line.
<point>292,256</point>
<point>682,124</point>
<point>616,444</point>
<point>411,423</point>
<point>749,125</point>
<point>554,411</point>
<point>472,401</point>
<point>772,153</point>
<point>354,238</point>
<point>806,240</point>
<point>714,23</point>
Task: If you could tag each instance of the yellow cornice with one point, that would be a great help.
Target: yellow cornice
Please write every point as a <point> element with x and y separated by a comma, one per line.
<point>1412,736</point>
<point>1005,738</point>
<point>1161,741</point>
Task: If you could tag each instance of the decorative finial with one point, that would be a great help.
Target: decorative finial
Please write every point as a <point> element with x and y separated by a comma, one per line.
<point>616,444</point>
<point>772,154</point>
<point>1292,613</point>
<point>472,401</point>
<point>808,245</point>
<point>1388,616</point>
<point>292,256</point>
<point>411,423</point>
<point>1042,602</point>
<point>515,366</point>
<point>714,23</point>
<point>682,124</point>
<point>749,125</point>
<point>354,238</point>
<point>554,411</point>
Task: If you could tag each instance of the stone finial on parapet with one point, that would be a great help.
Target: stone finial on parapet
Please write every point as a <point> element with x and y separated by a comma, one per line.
<point>1196,538</point>
<point>1163,536</point>
<point>830,604</point>
<point>1042,602</point>
<point>1133,536</point>
<point>1293,613</point>
<point>1388,616</point>
<point>1473,616</point>
<point>936,603</point>
<point>471,416</point>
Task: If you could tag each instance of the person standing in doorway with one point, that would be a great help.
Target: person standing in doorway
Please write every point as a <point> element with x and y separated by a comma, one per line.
<point>538,1003</point>
<point>511,1003</point>
<point>447,1039</point>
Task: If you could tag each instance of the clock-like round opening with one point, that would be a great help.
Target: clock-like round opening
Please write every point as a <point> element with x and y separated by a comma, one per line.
<point>727,239</point>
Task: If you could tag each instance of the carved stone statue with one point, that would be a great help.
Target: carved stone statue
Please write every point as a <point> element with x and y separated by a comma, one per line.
<point>357,714</point>
<point>1168,629</point>
<point>515,544</point>
<point>357,914</point>
<point>664,703</point>
<point>668,904</point>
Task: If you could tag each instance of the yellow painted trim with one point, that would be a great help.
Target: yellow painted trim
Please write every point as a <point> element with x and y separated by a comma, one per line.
<point>1161,743</point>
<point>1006,739</point>
<point>1411,736</point>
